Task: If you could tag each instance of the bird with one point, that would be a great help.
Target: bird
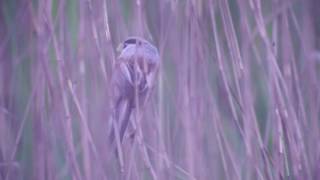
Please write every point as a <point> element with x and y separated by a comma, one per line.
<point>133,78</point>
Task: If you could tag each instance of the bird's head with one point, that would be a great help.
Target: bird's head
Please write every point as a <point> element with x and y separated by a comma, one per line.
<point>131,41</point>
<point>138,45</point>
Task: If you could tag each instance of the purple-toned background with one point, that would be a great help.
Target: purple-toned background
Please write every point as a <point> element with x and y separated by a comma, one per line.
<point>237,96</point>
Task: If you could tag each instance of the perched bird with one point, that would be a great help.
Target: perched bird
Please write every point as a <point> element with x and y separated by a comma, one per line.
<point>133,77</point>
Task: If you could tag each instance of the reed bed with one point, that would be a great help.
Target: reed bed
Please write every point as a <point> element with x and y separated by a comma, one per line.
<point>237,96</point>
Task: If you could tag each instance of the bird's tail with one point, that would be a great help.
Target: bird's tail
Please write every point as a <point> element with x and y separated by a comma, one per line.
<point>119,121</point>
<point>126,120</point>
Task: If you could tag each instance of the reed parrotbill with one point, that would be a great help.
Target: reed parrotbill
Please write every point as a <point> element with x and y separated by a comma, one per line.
<point>133,77</point>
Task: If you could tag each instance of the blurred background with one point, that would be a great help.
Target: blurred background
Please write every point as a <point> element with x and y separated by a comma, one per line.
<point>237,96</point>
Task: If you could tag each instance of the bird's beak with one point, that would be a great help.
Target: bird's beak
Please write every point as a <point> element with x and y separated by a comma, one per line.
<point>120,47</point>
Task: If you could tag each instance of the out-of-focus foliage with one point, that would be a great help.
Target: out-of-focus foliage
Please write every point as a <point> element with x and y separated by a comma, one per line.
<point>237,95</point>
